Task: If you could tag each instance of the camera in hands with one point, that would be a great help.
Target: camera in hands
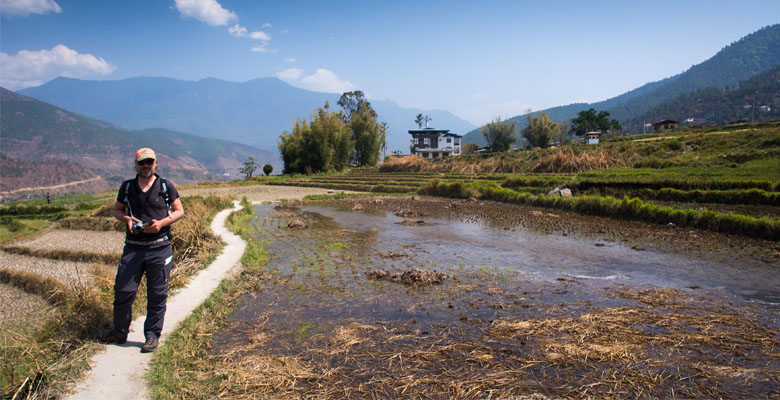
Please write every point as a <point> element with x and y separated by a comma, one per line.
<point>139,226</point>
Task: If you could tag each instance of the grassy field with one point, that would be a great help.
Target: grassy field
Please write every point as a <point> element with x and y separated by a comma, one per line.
<point>688,178</point>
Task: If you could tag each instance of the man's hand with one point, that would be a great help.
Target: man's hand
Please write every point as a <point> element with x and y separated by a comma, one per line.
<point>154,226</point>
<point>130,222</point>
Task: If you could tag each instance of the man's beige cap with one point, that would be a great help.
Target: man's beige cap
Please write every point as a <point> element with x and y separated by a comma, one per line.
<point>144,153</point>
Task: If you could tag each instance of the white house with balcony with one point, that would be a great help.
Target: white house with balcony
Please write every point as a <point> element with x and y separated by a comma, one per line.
<point>434,143</point>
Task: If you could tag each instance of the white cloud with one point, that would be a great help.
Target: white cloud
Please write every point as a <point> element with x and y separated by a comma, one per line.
<point>237,30</point>
<point>27,7</point>
<point>284,31</point>
<point>208,11</point>
<point>321,80</point>
<point>290,60</point>
<point>32,68</point>
<point>266,25</point>
<point>289,74</point>
<point>260,35</point>
<point>324,80</point>
<point>262,49</point>
<point>240,31</point>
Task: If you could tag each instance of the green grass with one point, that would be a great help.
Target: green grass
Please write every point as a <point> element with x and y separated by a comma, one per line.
<point>12,228</point>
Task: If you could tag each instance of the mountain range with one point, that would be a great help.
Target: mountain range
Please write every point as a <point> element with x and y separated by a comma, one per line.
<point>753,54</point>
<point>254,112</point>
<point>37,132</point>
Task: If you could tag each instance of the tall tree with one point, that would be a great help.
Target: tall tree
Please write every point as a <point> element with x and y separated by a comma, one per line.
<point>590,120</point>
<point>540,130</point>
<point>419,121</point>
<point>351,103</point>
<point>249,168</point>
<point>500,134</point>
<point>320,146</point>
<point>368,135</point>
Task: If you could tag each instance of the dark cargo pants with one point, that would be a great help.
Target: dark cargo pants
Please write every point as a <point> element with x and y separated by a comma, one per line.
<point>156,264</point>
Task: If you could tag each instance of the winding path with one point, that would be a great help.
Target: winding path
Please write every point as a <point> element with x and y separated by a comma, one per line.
<point>119,372</point>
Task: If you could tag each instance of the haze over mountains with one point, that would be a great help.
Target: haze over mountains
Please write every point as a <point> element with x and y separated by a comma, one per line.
<point>753,54</point>
<point>40,136</point>
<point>254,112</point>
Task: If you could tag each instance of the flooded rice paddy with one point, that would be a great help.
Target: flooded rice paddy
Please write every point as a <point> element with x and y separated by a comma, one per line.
<point>532,304</point>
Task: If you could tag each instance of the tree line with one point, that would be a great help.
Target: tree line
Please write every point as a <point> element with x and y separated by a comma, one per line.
<point>333,140</point>
<point>541,131</point>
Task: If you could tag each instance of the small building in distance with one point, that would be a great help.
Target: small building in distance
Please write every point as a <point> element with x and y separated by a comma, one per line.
<point>664,125</point>
<point>434,143</point>
<point>592,137</point>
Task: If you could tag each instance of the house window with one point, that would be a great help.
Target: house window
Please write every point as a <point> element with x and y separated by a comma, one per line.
<point>426,141</point>
<point>416,140</point>
<point>449,140</point>
<point>457,142</point>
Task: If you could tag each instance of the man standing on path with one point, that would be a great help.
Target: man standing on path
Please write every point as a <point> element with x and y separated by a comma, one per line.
<point>148,205</point>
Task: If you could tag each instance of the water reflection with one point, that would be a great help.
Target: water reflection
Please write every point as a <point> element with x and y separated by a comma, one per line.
<point>450,245</point>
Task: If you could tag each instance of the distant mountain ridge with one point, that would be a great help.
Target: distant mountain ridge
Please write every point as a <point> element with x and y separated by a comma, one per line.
<point>35,131</point>
<point>747,57</point>
<point>254,112</point>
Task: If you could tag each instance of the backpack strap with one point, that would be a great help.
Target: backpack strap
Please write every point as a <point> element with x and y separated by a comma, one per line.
<point>166,195</point>
<point>126,184</point>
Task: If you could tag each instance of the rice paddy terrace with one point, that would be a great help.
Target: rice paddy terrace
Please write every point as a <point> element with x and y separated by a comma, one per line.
<point>373,180</point>
<point>726,180</point>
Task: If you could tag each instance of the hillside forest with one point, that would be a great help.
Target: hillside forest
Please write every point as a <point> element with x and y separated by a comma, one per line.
<point>755,99</point>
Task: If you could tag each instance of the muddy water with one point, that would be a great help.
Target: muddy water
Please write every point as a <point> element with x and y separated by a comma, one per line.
<point>452,246</point>
<point>316,287</point>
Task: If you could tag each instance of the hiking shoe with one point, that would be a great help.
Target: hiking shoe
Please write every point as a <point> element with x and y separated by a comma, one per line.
<point>108,337</point>
<point>150,345</point>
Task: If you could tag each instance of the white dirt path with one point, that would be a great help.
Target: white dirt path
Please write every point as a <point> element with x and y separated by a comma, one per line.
<point>119,372</point>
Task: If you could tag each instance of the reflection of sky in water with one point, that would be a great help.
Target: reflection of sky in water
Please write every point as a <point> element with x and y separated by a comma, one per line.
<point>546,257</point>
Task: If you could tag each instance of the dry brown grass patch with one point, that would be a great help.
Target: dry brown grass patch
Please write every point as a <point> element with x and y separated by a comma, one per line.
<point>104,224</point>
<point>567,161</point>
<point>410,163</point>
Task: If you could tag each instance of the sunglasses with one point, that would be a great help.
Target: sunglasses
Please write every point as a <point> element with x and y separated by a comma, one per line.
<point>148,161</point>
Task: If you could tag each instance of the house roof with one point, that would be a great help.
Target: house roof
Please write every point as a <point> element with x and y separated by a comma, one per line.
<point>665,121</point>
<point>431,131</point>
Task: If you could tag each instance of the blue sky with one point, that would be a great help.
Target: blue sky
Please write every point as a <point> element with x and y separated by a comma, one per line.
<point>476,59</point>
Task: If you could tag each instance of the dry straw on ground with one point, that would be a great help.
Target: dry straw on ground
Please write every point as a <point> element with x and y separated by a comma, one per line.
<point>663,343</point>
